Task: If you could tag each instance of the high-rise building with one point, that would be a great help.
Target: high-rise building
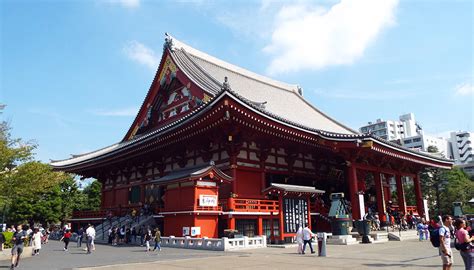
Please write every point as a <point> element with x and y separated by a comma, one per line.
<point>463,154</point>
<point>394,130</point>
<point>407,132</point>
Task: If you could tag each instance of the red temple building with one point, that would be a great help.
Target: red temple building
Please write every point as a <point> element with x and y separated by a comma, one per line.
<point>217,147</point>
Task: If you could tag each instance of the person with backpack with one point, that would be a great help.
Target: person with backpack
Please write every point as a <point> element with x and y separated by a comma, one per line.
<point>463,243</point>
<point>445,242</point>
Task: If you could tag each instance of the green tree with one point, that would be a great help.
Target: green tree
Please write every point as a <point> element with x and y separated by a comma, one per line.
<point>93,194</point>
<point>459,188</point>
<point>443,187</point>
<point>410,197</point>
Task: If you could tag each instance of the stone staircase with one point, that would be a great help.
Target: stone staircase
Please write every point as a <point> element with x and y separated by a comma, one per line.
<point>102,230</point>
<point>403,235</point>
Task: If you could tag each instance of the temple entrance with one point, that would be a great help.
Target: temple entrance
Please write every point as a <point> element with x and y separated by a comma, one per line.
<point>246,227</point>
<point>267,228</point>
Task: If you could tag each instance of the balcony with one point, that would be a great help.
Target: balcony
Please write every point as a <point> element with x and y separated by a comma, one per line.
<point>249,205</point>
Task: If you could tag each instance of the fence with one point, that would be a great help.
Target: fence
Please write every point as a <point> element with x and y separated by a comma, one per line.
<point>218,244</point>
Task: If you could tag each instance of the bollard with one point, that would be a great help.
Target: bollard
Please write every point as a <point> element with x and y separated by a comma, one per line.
<point>322,236</point>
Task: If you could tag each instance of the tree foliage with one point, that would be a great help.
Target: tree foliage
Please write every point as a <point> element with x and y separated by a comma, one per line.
<point>31,191</point>
<point>443,187</point>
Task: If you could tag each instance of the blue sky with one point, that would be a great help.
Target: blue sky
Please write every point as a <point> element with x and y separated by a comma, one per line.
<point>73,73</point>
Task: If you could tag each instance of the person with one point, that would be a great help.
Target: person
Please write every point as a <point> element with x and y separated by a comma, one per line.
<point>29,233</point>
<point>127,235</point>
<point>142,232</point>
<point>147,239</point>
<point>157,240</point>
<point>2,240</point>
<point>36,240</point>
<point>134,235</point>
<point>18,243</point>
<point>377,222</point>
<point>462,236</point>
<point>80,235</point>
<point>307,236</point>
<point>445,242</point>
<point>299,239</point>
<point>90,234</point>
<point>109,234</point>
<point>122,234</point>
<point>66,238</point>
<point>420,227</point>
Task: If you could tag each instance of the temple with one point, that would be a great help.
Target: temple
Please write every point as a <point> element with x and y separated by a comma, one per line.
<point>216,147</point>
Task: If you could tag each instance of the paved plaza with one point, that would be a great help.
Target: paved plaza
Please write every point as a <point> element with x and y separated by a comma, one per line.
<point>392,255</point>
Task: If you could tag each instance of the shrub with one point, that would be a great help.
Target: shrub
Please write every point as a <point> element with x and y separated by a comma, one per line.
<point>8,239</point>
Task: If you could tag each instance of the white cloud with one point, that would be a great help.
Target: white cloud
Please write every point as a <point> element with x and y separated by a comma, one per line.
<point>141,54</point>
<point>117,112</point>
<point>464,89</point>
<point>306,36</point>
<point>126,3</point>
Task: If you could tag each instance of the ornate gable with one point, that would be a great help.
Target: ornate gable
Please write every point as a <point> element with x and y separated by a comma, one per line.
<point>171,96</point>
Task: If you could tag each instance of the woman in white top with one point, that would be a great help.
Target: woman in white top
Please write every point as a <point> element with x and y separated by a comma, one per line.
<point>36,241</point>
<point>299,239</point>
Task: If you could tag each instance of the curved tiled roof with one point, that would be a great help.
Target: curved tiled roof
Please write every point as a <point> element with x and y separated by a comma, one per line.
<point>280,98</point>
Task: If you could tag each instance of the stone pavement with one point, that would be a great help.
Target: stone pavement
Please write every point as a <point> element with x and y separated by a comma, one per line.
<point>391,255</point>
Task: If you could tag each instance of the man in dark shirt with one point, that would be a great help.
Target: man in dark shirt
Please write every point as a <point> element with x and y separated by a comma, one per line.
<point>18,239</point>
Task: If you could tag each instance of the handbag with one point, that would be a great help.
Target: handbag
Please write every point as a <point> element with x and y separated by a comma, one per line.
<point>462,246</point>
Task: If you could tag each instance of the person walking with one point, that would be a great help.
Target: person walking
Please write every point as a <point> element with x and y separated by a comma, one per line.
<point>90,234</point>
<point>2,240</point>
<point>80,235</point>
<point>464,243</point>
<point>157,240</point>
<point>36,240</point>
<point>307,236</point>
<point>147,239</point>
<point>445,242</point>
<point>66,238</point>
<point>18,244</point>
<point>299,240</point>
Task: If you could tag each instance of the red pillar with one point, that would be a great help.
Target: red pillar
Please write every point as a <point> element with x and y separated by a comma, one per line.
<point>380,196</point>
<point>418,196</point>
<point>402,206</point>
<point>260,226</point>
<point>353,191</point>
<point>280,217</point>
<point>232,223</point>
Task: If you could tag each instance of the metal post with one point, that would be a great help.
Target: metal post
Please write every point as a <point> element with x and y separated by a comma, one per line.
<point>322,236</point>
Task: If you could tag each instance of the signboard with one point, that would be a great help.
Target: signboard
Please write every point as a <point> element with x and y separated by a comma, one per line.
<point>361,206</point>
<point>425,206</point>
<point>195,231</point>
<point>207,200</point>
<point>185,231</point>
<point>295,214</point>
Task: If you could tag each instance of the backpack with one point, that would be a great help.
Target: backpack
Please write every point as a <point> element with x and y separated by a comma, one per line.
<point>434,237</point>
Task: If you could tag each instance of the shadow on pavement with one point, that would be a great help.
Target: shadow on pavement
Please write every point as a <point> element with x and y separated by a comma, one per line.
<point>400,265</point>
